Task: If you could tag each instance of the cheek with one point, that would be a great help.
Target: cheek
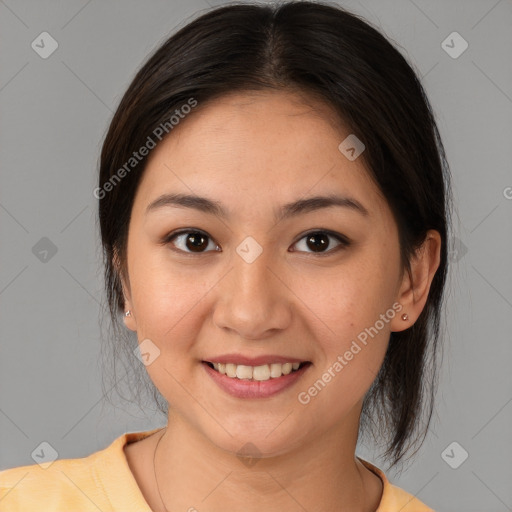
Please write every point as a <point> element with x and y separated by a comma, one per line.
<point>352,353</point>
<point>169,313</point>
<point>352,313</point>
<point>350,298</point>
<point>169,305</point>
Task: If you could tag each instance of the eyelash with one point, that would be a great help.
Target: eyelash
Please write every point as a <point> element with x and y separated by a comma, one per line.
<point>344,242</point>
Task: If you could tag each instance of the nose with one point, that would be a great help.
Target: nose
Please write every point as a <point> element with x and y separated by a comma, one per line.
<point>253,300</point>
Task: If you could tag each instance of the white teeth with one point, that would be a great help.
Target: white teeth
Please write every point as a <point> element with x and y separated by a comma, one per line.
<point>260,373</point>
<point>287,368</point>
<point>244,372</point>
<point>231,370</point>
<point>275,370</point>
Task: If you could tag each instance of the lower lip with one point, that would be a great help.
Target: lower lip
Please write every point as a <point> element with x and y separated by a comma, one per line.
<point>243,388</point>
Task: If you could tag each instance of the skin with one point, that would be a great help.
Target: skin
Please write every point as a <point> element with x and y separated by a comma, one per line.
<point>253,152</point>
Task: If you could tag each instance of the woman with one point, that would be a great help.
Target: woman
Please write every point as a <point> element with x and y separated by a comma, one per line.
<point>274,208</point>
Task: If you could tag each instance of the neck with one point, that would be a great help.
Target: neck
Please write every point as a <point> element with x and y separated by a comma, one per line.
<point>192,472</point>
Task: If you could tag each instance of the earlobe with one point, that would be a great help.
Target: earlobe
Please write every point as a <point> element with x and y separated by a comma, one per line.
<point>129,320</point>
<point>415,286</point>
<point>128,316</point>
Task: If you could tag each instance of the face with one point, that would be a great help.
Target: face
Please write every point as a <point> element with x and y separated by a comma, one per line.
<point>315,283</point>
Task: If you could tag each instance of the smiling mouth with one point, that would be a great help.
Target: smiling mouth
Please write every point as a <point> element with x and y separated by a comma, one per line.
<point>256,373</point>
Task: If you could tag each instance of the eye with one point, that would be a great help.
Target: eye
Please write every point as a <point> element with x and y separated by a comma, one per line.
<point>195,241</point>
<point>191,241</point>
<point>319,242</point>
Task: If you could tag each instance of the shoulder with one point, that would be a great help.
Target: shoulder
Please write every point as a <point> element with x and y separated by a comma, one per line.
<point>90,483</point>
<point>64,484</point>
<point>395,499</point>
<point>400,499</point>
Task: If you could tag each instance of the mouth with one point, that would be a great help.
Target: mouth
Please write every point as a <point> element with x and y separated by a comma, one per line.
<point>260,373</point>
<point>255,382</point>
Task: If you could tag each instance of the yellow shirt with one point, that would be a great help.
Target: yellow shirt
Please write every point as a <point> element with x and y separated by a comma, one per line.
<point>104,482</point>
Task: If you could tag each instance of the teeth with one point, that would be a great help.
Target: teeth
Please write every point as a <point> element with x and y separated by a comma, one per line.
<point>231,370</point>
<point>260,372</point>
<point>244,372</point>
<point>263,372</point>
<point>275,370</point>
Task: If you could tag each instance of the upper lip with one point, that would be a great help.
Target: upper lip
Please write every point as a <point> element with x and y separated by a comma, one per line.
<point>253,361</point>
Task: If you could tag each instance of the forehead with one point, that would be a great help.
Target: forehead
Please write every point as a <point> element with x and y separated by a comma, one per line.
<point>270,146</point>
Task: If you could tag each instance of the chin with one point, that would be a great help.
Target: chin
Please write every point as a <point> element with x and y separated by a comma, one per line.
<point>255,442</point>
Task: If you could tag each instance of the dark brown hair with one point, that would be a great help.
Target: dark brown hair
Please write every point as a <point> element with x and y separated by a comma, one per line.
<point>326,52</point>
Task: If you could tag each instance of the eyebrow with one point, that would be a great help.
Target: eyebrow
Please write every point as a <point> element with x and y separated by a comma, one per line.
<point>286,211</point>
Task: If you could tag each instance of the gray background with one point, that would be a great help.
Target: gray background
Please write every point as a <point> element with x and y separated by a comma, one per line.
<point>53,115</point>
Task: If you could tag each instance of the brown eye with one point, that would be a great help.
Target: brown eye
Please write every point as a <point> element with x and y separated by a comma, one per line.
<point>317,242</point>
<point>190,241</point>
<point>196,242</point>
<point>320,242</point>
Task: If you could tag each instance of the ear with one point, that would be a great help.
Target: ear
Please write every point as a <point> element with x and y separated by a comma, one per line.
<point>414,289</point>
<point>129,321</point>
